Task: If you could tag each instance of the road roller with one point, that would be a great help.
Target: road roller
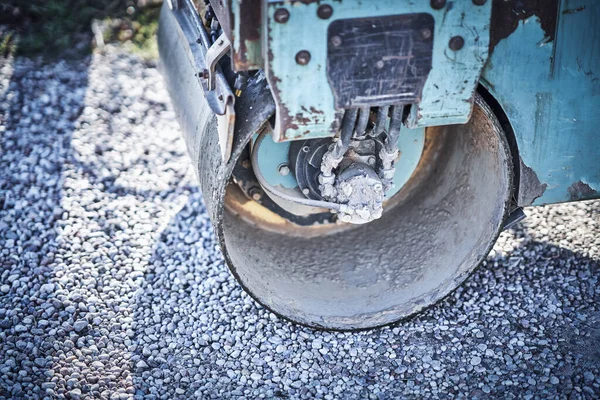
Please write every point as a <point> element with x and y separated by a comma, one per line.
<point>358,159</point>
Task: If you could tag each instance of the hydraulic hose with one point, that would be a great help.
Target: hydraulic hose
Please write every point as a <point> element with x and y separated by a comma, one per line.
<point>393,133</point>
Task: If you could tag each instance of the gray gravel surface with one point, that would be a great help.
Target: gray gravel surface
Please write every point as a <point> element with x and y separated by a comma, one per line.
<point>112,285</point>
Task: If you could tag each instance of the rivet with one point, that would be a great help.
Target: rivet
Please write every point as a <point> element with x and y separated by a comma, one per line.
<point>426,33</point>
<point>437,4</point>
<point>282,15</point>
<point>456,43</point>
<point>336,41</point>
<point>379,64</point>
<point>303,57</point>
<point>325,11</point>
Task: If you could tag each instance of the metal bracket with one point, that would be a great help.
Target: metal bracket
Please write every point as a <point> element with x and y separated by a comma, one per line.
<point>218,49</point>
<point>205,59</point>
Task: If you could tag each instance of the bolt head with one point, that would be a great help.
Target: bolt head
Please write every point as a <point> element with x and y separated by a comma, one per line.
<point>284,170</point>
<point>437,4</point>
<point>336,41</point>
<point>281,15</point>
<point>426,33</point>
<point>256,193</point>
<point>379,64</point>
<point>456,43</point>
<point>325,11</point>
<point>303,57</point>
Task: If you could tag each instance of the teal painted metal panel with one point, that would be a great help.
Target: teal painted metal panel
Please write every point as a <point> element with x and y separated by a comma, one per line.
<point>305,102</point>
<point>550,92</point>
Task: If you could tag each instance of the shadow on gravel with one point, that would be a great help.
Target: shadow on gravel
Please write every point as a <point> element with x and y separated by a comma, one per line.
<point>39,106</point>
<point>214,341</point>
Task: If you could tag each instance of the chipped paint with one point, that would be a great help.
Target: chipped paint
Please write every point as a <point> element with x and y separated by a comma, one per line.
<point>296,88</point>
<point>581,191</point>
<point>548,88</point>
<point>509,14</point>
<point>530,187</point>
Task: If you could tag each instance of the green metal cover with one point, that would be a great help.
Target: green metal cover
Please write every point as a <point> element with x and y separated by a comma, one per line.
<point>305,102</point>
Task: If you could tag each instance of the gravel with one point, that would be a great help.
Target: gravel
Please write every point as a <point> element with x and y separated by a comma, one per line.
<point>112,285</point>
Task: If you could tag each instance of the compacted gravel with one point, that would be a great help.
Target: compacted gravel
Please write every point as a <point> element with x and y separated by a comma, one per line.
<point>112,284</point>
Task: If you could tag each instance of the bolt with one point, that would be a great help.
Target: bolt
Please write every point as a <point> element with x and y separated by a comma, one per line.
<point>284,170</point>
<point>479,2</point>
<point>371,160</point>
<point>282,15</point>
<point>325,11</point>
<point>306,149</point>
<point>256,193</point>
<point>305,191</point>
<point>456,43</point>
<point>379,64</point>
<point>336,41</point>
<point>426,33</point>
<point>437,4</point>
<point>303,57</point>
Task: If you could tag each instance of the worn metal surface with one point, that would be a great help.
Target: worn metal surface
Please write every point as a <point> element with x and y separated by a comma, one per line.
<point>544,71</point>
<point>442,226</point>
<point>305,102</point>
<point>247,46</point>
<point>401,46</point>
<point>241,21</point>
<point>223,12</point>
<point>183,44</point>
<point>214,53</point>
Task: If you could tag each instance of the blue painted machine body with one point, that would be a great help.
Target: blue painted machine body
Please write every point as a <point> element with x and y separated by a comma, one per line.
<point>537,60</point>
<point>548,85</point>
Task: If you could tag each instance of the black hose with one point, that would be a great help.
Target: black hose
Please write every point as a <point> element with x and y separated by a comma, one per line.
<point>361,124</point>
<point>348,123</point>
<point>393,133</point>
<point>382,115</point>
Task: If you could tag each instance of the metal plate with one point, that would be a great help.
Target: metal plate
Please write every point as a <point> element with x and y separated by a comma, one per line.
<point>379,60</point>
<point>305,102</point>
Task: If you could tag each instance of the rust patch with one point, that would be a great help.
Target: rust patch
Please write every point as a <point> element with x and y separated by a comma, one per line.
<point>250,19</point>
<point>506,16</point>
<point>530,187</point>
<point>302,119</point>
<point>581,191</point>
